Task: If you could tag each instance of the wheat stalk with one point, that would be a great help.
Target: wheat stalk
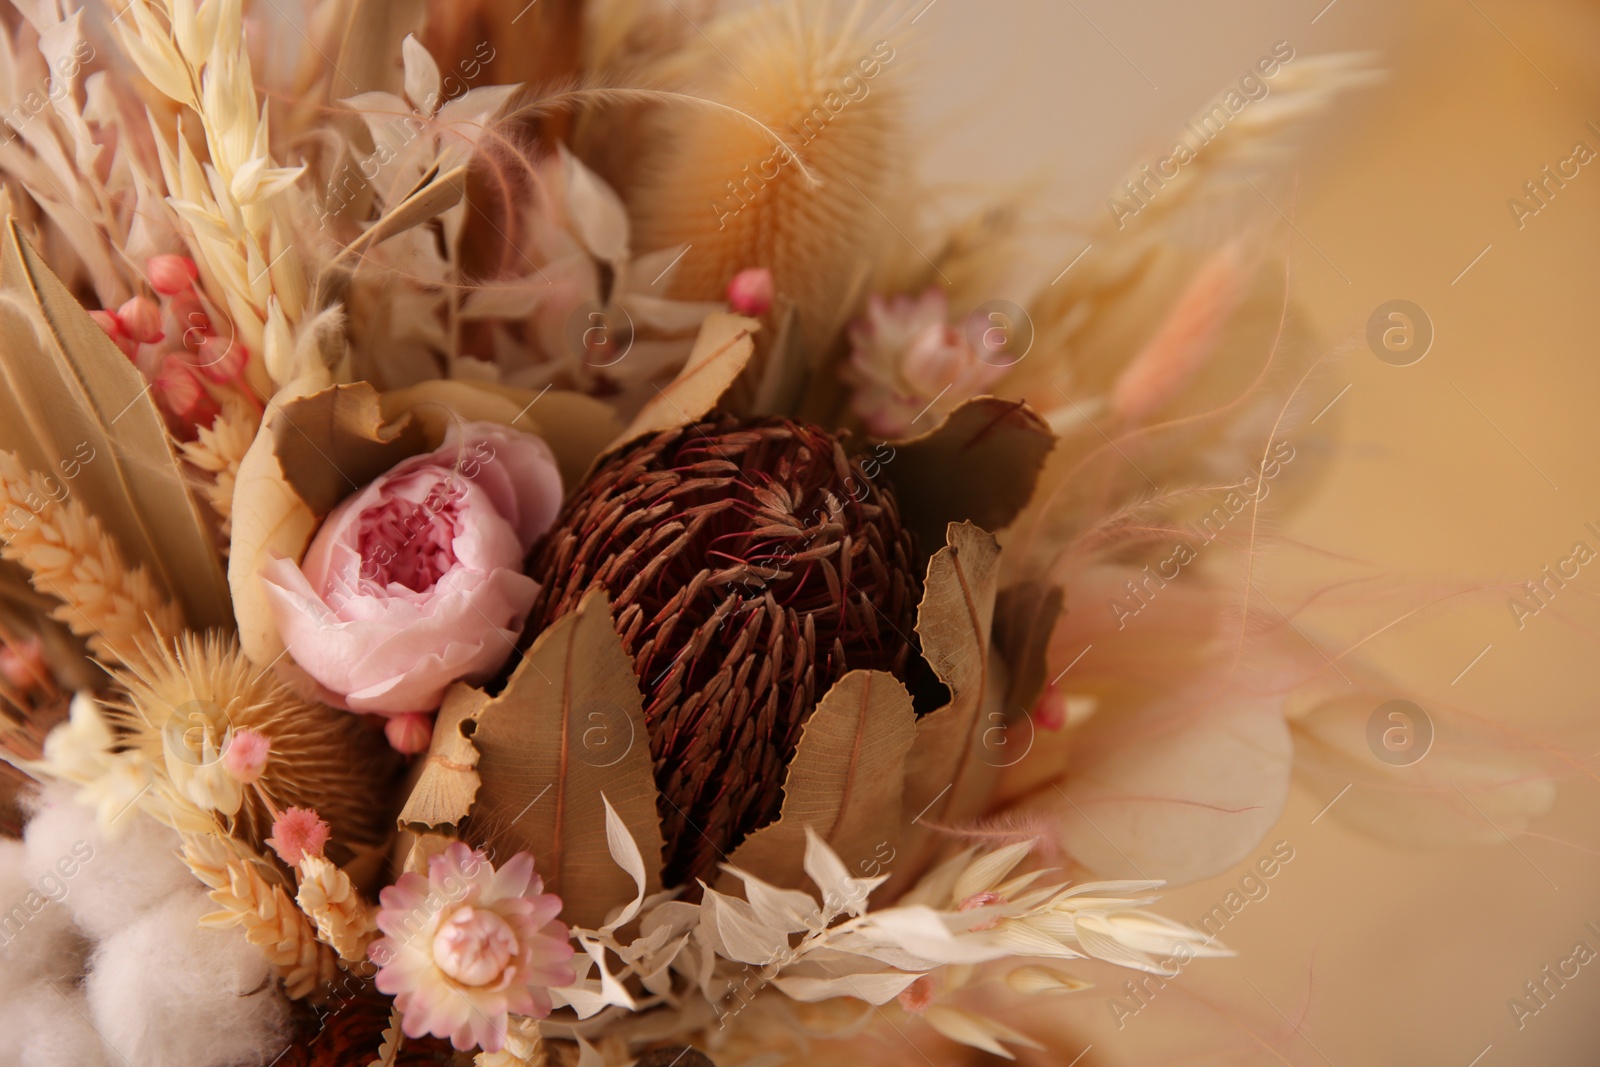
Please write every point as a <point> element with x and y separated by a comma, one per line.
<point>71,557</point>
<point>218,451</point>
<point>270,919</point>
<point>344,921</point>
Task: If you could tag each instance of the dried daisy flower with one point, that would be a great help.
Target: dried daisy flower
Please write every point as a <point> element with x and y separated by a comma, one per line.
<point>906,356</point>
<point>189,706</point>
<point>470,945</point>
<point>749,566</point>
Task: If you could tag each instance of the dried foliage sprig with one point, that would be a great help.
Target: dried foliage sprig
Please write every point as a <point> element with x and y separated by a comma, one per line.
<point>344,921</point>
<point>265,911</point>
<point>218,450</point>
<point>116,607</point>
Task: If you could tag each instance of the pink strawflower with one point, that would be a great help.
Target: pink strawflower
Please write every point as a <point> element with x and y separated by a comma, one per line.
<point>170,275</point>
<point>246,755</point>
<point>469,945</point>
<point>410,733</point>
<point>906,355</point>
<point>141,320</point>
<point>750,291</point>
<point>297,833</point>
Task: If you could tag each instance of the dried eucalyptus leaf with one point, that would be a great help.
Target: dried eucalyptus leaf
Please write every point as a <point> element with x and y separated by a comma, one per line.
<point>74,408</point>
<point>720,352</point>
<point>333,442</point>
<point>445,790</point>
<point>1024,619</point>
<point>979,465</point>
<point>568,727</point>
<point>845,781</point>
<point>949,771</point>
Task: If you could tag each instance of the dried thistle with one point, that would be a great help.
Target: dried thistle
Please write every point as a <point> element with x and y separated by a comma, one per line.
<point>183,706</point>
<point>70,557</point>
<point>749,568</point>
<point>812,207</point>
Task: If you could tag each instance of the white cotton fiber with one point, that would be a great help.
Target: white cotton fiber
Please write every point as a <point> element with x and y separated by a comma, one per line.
<point>104,882</point>
<point>48,1026</point>
<point>37,938</point>
<point>165,991</point>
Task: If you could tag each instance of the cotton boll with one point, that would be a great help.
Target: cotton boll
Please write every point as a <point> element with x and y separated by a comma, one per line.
<point>104,882</point>
<point>167,991</point>
<point>37,938</point>
<point>48,1025</point>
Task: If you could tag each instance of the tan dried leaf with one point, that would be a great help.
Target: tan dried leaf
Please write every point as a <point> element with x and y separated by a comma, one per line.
<point>568,727</point>
<point>332,442</point>
<point>720,352</point>
<point>979,465</point>
<point>71,402</point>
<point>845,781</point>
<point>443,795</point>
<point>947,774</point>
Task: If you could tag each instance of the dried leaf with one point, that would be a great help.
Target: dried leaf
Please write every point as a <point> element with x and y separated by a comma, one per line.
<point>575,426</point>
<point>844,782</point>
<point>389,1050</point>
<point>568,727</point>
<point>979,465</point>
<point>434,195</point>
<point>269,520</point>
<point>445,790</point>
<point>1024,618</point>
<point>72,405</point>
<point>333,442</point>
<point>368,40</point>
<point>947,772</point>
<point>596,212</point>
<point>720,352</point>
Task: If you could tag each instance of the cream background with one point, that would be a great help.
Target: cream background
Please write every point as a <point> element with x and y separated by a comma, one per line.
<point>1382,956</point>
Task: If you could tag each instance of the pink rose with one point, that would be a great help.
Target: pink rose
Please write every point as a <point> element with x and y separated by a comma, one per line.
<point>416,580</point>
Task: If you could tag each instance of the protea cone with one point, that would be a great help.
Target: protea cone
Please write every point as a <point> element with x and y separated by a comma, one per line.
<point>749,566</point>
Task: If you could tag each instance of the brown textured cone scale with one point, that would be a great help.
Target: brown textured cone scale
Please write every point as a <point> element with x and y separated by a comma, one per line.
<point>749,566</point>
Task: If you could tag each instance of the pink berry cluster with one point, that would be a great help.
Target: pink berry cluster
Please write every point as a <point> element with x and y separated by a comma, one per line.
<point>174,342</point>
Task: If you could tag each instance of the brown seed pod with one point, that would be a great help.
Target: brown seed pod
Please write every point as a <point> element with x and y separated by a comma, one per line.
<point>749,566</point>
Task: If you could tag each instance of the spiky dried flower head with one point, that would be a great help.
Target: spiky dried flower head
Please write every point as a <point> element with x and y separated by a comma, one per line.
<point>185,707</point>
<point>749,567</point>
<point>813,188</point>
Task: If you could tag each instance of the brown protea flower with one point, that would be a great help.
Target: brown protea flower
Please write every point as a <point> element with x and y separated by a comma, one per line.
<point>749,566</point>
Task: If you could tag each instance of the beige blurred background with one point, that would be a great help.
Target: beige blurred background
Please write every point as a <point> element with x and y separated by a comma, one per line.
<point>1474,466</point>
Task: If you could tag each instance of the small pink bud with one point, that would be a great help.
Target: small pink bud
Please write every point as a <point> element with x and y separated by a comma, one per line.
<point>750,291</point>
<point>917,997</point>
<point>221,359</point>
<point>190,319</point>
<point>297,833</point>
<point>1051,711</point>
<point>182,396</point>
<point>107,321</point>
<point>141,320</point>
<point>23,665</point>
<point>410,733</point>
<point>246,755</point>
<point>171,275</point>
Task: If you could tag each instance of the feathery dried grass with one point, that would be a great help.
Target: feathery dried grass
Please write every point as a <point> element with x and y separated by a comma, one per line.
<point>321,758</point>
<point>218,450</point>
<point>270,919</point>
<point>345,922</point>
<point>69,555</point>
